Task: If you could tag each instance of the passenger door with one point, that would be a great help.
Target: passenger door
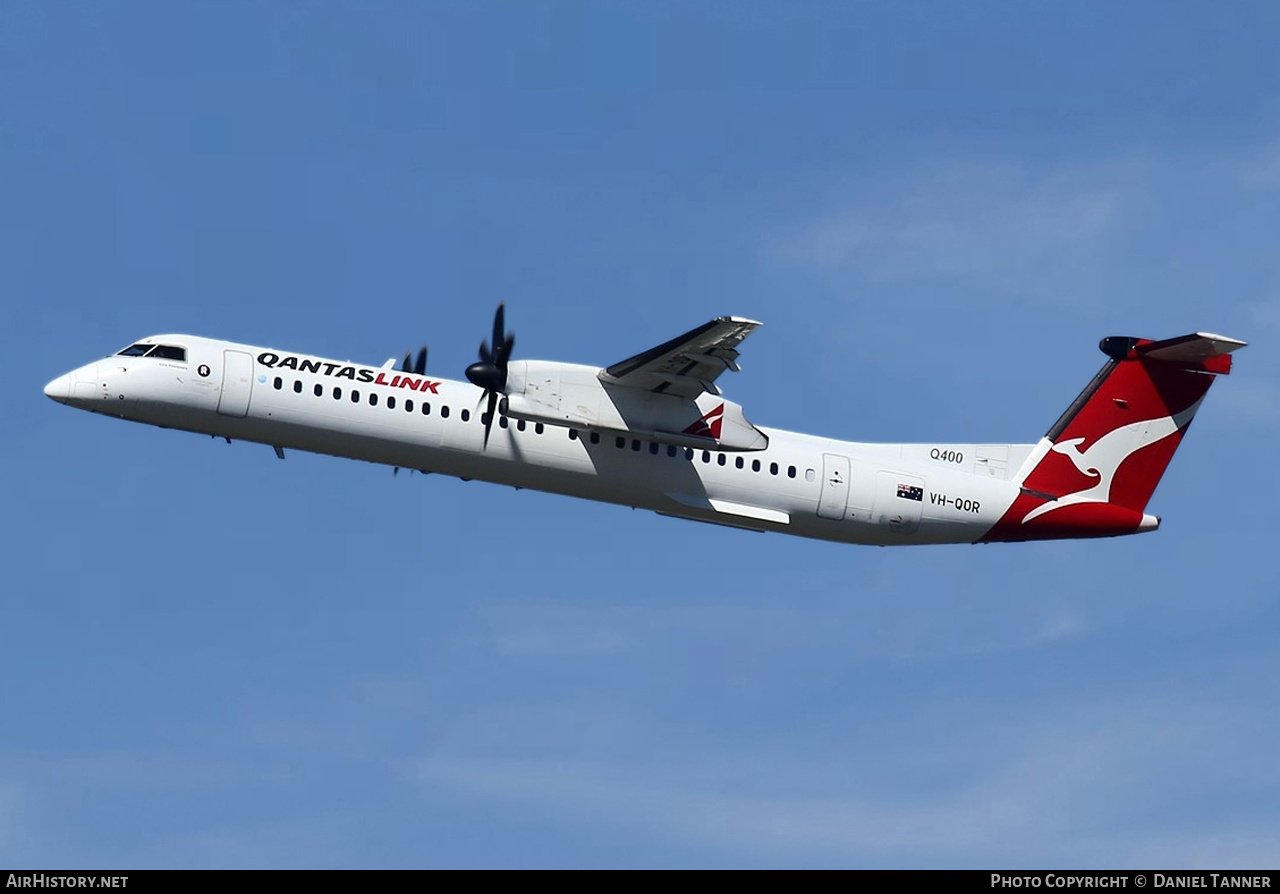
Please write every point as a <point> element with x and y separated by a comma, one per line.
<point>237,383</point>
<point>835,485</point>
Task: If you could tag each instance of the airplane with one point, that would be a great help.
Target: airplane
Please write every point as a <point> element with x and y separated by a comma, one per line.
<point>653,431</point>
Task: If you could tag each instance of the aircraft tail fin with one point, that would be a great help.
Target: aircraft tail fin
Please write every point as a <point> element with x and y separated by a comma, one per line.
<point>1093,473</point>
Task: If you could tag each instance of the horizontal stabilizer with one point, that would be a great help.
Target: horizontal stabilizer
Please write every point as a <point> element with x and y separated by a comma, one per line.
<point>1200,347</point>
<point>1200,351</point>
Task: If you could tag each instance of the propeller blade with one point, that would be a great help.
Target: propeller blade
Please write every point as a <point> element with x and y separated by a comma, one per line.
<point>420,367</point>
<point>499,325</point>
<point>404,364</point>
<point>488,424</point>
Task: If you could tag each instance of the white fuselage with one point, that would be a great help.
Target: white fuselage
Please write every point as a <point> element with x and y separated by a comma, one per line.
<point>799,484</point>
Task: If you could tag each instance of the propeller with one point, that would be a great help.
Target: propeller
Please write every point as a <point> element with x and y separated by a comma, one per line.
<point>418,368</point>
<point>490,371</point>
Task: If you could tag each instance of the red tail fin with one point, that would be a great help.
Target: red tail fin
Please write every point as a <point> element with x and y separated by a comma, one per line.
<point>1095,470</point>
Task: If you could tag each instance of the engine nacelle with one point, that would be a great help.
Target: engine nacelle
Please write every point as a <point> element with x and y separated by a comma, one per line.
<point>572,395</point>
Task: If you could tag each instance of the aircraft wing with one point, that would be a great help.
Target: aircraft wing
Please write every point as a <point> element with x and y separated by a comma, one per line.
<point>688,364</point>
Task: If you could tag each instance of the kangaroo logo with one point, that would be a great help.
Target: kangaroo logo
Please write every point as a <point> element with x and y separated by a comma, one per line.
<point>1101,460</point>
<point>709,426</point>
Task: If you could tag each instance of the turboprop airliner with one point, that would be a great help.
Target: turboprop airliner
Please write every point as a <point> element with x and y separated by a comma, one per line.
<point>653,431</point>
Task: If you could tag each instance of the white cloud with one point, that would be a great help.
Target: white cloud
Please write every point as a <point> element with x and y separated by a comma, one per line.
<point>311,842</point>
<point>17,825</point>
<point>558,642</point>
<point>1265,315</point>
<point>1252,400</point>
<point>1163,232</point>
<point>1260,170</point>
<point>991,224</point>
<point>1245,849</point>
<point>876,626</point>
<point>1084,787</point>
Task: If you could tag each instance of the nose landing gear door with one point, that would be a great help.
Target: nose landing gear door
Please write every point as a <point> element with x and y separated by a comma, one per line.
<point>237,383</point>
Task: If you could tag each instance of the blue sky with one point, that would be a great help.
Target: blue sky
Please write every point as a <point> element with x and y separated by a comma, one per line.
<point>213,658</point>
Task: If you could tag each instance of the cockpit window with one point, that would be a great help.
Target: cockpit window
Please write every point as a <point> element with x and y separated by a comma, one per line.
<point>164,352</point>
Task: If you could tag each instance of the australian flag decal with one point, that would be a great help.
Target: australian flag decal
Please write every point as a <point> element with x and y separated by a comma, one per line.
<point>908,492</point>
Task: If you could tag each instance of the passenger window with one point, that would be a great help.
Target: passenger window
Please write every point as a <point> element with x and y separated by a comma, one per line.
<point>278,383</point>
<point>444,412</point>
<point>755,465</point>
<point>520,426</point>
<point>721,459</point>
<point>706,456</point>
<point>808,474</point>
<point>791,471</point>
<point>426,408</point>
<point>621,442</point>
<point>635,444</point>
<point>337,394</point>
<point>773,468</point>
<point>297,386</point>
<point>391,402</point>
<point>373,398</point>
<point>573,434</point>
<point>739,462</point>
<point>688,453</point>
<point>653,447</point>
<point>538,428</point>
<point>355,396</point>
<point>671,451</point>
<point>408,406</point>
<point>502,420</point>
<point>595,437</point>
<point>319,390</point>
<point>466,415</point>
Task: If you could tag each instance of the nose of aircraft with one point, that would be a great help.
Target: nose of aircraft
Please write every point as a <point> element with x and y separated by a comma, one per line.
<point>59,389</point>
